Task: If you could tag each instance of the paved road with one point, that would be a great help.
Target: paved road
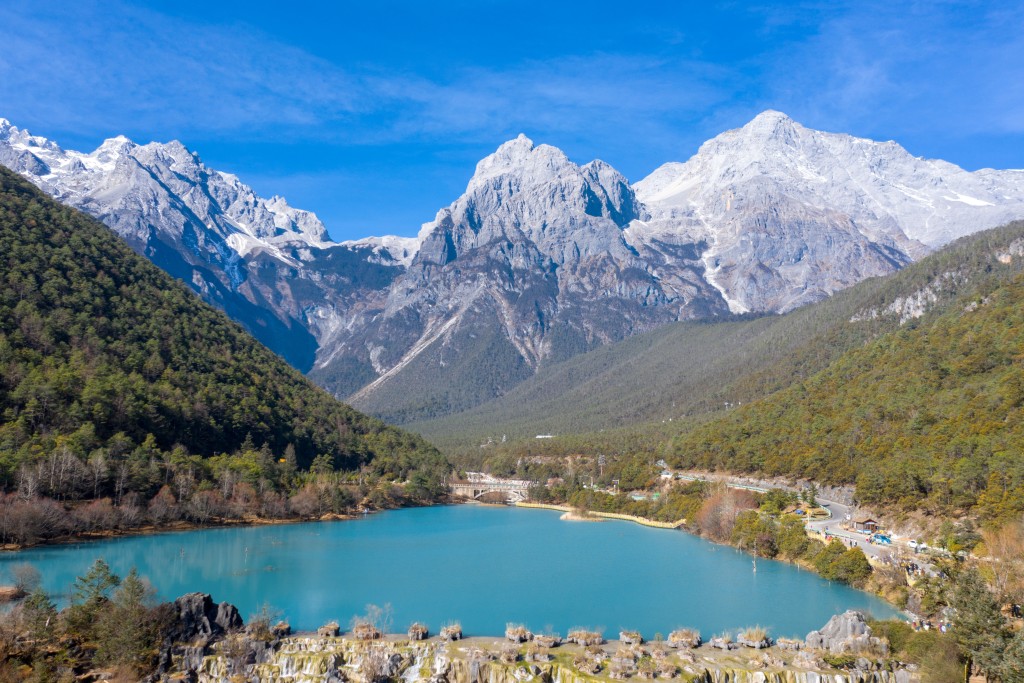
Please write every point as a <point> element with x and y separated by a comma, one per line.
<point>833,526</point>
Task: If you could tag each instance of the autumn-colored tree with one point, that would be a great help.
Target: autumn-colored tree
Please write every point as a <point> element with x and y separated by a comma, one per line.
<point>1004,548</point>
<point>717,516</point>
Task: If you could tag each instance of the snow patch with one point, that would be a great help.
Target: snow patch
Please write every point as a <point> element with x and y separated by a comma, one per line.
<point>399,250</point>
<point>964,199</point>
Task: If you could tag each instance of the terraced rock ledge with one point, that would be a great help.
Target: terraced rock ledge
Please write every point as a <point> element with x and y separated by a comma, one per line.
<point>845,652</point>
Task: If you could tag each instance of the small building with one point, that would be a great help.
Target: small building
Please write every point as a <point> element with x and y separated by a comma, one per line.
<point>865,525</point>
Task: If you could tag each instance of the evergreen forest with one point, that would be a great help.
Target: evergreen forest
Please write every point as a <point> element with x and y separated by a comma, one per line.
<point>119,386</point>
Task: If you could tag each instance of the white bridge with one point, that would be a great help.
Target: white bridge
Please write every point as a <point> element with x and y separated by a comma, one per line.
<point>478,484</point>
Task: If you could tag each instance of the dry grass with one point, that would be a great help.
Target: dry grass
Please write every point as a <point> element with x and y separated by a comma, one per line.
<point>753,634</point>
<point>684,637</point>
<point>585,637</point>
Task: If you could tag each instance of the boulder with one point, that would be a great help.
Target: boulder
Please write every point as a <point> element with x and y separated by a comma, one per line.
<point>392,665</point>
<point>846,633</point>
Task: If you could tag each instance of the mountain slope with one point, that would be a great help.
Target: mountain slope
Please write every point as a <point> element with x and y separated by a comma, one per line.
<point>698,369</point>
<point>528,266</point>
<point>765,218</point>
<point>102,350</point>
<point>271,267</point>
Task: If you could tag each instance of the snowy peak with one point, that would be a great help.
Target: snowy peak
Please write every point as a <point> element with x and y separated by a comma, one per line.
<point>872,182</point>
<point>160,179</point>
<point>520,157</point>
<point>106,156</point>
<point>772,126</point>
<point>778,204</point>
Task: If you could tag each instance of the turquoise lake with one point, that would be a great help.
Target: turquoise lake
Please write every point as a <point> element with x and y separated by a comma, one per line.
<point>481,566</point>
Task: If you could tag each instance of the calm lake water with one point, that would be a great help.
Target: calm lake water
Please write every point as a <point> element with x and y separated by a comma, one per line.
<point>482,566</point>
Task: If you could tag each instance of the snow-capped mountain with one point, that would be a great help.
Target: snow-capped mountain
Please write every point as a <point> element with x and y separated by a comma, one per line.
<point>539,259</point>
<point>791,215</point>
<point>270,266</point>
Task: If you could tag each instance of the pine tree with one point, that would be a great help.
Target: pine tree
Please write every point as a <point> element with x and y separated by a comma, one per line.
<point>1012,669</point>
<point>124,630</point>
<point>979,626</point>
<point>88,595</point>
<point>39,615</point>
<point>95,585</point>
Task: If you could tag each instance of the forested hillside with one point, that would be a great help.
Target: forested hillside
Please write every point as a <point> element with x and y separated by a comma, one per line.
<point>116,377</point>
<point>932,414</point>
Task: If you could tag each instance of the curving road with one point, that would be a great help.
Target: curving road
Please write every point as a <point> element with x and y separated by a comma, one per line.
<point>833,526</point>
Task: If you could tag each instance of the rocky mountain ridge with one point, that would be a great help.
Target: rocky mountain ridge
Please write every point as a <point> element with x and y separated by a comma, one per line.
<point>540,258</point>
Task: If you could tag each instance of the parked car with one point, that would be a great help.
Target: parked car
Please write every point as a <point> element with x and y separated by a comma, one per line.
<point>881,538</point>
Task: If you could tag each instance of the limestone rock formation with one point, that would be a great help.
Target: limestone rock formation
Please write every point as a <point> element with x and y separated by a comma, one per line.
<point>846,633</point>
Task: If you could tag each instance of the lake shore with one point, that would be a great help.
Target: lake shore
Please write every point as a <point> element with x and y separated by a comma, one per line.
<point>576,515</point>
<point>171,527</point>
<point>280,565</point>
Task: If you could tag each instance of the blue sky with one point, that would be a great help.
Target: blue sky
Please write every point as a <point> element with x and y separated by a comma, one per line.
<point>375,114</point>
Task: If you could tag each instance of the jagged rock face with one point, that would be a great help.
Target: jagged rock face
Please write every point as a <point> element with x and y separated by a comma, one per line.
<point>791,215</point>
<point>268,265</point>
<point>199,618</point>
<point>535,250</point>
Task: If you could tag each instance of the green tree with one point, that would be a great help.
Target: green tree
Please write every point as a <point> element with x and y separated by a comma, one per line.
<point>89,593</point>
<point>851,567</point>
<point>125,633</point>
<point>825,559</point>
<point>1012,668</point>
<point>95,585</point>
<point>792,537</point>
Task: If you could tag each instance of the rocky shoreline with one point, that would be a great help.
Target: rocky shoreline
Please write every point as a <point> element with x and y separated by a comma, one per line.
<point>209,644</point>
